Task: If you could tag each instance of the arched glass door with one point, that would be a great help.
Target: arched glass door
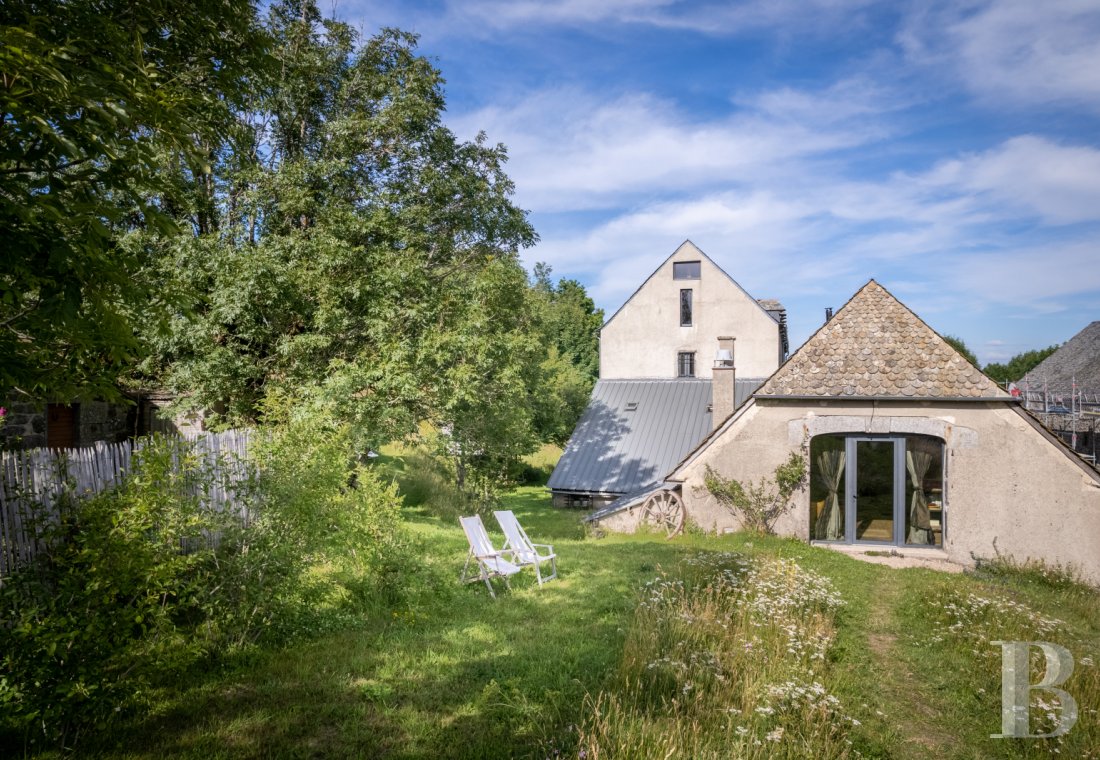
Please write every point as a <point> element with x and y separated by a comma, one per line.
<point>877,489</point>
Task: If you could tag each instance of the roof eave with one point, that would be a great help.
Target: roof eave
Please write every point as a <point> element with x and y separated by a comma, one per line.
<point>953,399</point>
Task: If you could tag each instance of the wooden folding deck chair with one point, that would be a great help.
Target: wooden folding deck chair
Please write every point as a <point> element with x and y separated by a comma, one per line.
<point>524,552</point>
<point>490,562</point>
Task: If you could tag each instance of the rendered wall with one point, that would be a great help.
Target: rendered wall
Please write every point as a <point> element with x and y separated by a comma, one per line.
<point>1008,488</point>
<point>644,337</point>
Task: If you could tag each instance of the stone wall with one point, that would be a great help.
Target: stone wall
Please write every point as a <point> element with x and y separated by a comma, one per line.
<point>101,421</point>
<point>24,426</point>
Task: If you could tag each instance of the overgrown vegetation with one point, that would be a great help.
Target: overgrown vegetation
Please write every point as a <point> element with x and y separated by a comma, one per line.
<point>142,582</point>
<point>443,671</point>
<point>726,658</point>
<point>758,505</point>
<point>259,209</point>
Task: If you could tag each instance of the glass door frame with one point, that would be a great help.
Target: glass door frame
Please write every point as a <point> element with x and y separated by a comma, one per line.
<point>851,483</point>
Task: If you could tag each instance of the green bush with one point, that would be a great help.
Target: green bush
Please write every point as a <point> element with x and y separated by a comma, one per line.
<point>94,617</point>
<point>143,581</point>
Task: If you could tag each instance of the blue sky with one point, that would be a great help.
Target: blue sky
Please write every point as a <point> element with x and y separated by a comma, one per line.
<point>949,150</point>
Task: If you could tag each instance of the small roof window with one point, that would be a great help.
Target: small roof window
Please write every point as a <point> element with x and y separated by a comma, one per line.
<point>685,270</point>
<point>631,406</point>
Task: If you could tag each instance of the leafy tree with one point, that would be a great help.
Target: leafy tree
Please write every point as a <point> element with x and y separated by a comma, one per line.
<point>1019,365</point>
<point>961,347</point>
<point>571,321</point>
<point>359,262</point>
<point>92,94</point>
<point>569,327</point>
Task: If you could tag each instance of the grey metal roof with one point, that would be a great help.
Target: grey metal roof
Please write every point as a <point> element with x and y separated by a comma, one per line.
<point>616,451</point>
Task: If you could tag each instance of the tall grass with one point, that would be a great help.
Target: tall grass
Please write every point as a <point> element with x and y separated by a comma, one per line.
<point>726,659</point>
<point>966,620</point>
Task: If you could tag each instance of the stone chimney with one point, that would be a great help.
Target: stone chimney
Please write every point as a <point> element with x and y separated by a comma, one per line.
<point>723,388</point>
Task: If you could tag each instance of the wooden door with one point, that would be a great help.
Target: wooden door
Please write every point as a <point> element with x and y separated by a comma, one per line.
<point>61,426</point>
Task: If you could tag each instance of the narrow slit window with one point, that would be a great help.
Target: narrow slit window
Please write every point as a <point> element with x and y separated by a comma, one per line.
<point>685,307</point>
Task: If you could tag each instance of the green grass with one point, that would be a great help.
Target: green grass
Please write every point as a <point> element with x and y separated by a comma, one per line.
<point>450,672</point>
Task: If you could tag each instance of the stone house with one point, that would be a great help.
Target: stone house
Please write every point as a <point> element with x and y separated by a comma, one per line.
<point>29,425</point>
<point>908,446</point>
<point>654,397</point>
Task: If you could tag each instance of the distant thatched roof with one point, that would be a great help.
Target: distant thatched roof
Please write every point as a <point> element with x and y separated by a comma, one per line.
<point>1079,358</point>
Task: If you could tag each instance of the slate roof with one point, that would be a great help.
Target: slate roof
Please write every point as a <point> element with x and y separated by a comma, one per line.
<point>616,451</point>
<point>1079,358</point>
<point>875,347</point>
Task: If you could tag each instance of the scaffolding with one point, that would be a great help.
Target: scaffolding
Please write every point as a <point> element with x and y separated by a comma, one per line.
<point>1071,413</point>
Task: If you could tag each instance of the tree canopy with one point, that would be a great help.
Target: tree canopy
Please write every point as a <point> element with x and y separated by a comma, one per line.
<point>1019,365</point>
<point>91,93</point>
<point>270,218</point>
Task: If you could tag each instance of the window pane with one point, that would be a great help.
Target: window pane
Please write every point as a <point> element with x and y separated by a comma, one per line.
<point>686,364</point>
<point>923,490</point>
<point>685,270</point>
<point>827,477</point>
<point>685,308</point>
<point>874,490</point>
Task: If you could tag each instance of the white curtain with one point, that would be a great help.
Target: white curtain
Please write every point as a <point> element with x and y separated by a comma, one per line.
<point>830,469</point>
<point>920,525</point>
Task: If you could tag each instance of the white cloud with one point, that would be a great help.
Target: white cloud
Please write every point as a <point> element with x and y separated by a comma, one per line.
<point>954,228</point>
<point>724,17</point>
<point>1060,183</point>
<point>1032,278</point>
<point>571,149</point>
<point>1020,51</point>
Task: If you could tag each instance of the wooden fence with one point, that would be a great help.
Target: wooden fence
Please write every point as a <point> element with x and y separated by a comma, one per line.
<point>36,483</point>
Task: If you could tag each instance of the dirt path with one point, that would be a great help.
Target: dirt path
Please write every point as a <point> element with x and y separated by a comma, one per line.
<point>908,700</point>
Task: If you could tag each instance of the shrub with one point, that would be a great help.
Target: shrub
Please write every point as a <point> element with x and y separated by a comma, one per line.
<point>140,582</point>
<point>759,505</point>
<point>104,608</point>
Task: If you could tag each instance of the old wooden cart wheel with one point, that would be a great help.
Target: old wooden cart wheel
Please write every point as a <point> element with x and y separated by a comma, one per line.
<point>664,510</point>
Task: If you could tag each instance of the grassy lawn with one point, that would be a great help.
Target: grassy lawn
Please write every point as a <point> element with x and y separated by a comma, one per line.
<point>449,672</point>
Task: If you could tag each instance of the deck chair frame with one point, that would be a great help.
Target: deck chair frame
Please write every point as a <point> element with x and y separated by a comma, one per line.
<point>491,563</point>
<point>524,551</point>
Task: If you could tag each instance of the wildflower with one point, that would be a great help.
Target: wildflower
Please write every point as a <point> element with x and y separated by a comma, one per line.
<point>776,735</point>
